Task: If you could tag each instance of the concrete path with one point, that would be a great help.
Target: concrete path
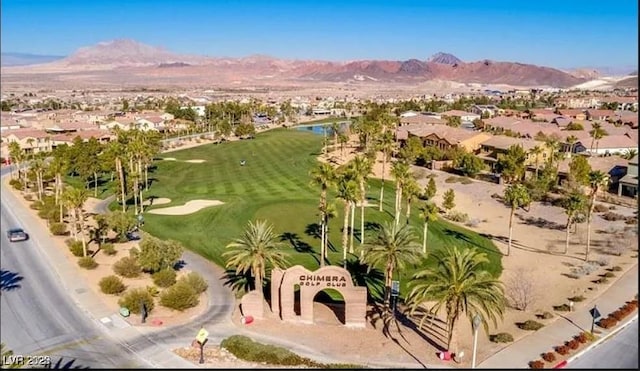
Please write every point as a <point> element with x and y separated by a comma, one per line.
<point>519,354</point>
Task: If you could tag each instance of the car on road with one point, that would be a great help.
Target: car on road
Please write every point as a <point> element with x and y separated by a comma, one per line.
<point>17,234</point>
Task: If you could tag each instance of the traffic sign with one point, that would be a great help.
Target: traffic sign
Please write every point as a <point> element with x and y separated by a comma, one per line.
<point>594,313</point>
<point>395,288</point>
<point>202,335</point>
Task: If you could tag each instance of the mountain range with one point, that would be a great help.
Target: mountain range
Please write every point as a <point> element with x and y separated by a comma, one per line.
<point>131,57</point>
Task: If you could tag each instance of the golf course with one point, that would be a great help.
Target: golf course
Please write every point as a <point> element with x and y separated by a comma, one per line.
<point>274,184</point>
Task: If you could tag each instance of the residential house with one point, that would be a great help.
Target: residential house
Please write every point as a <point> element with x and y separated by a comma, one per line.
<point>489,110</point>
<point>464,116</point>
<point>421,119</point>
<point>599,114</point>
<point>576,114</point>
<point>624,103</point>
<point>496,145</point>
<point>628,184</point>
<point>614,166</point>
<point>443,137</point>
<point>606,146</point>
<point>155,123</point>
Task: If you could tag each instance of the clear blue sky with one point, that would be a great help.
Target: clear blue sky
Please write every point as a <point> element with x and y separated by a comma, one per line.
<point>559,33</point>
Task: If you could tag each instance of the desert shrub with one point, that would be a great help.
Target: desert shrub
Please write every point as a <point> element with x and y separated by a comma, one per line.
<point>562,350</point>
<point>612,217</point>
<point>457,216</point>
<point>466,181</point>
<point>577,299</point>
<point>602,261</point>
<point>536,364</point>
<point>153,291</point>
<point>502,337</point>
<point>127,267</point>
<point>631,220</point>
<point>562,308</point>
<point>180,296</point>
<point>472,223</point>
<point>36,205</point>
<point>16,184</point>
<point>546,315</point>
<point>244,348</point>
<point>134,252</point>
<point>589,336</point>
<point>581,338</point>
<point>608,274</point>
<point>616,268</point>
<point>111,285</point>
<point>606,323</point>
<point>530,325</point>
<point>452,179</point>
<point>108,249</point>
<point>196,281</point>
<point>165,277</point>
<point>58,229</point>
<point>549,356</point>
<point>132,298</point>
<point>573,275</point>
<point>573,344</point>
<point>600,208</point>
<point>601,280</point>
<point>87,262</point>
<point>618,315</point>
<point>76,248</point>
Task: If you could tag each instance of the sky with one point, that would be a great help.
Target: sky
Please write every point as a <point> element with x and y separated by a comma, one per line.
<point>559,33</point>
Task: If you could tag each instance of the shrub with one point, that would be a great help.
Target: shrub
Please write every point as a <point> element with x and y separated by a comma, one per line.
<point>549,356</point>
<point>536,364</point>
<point>452,179</point>
<point>562,308</point>
<point>502,337</point>
<point>36,205</point>
<point>111,285</point>
<point>608,322</point>
<point>244,348</point>
<point>618,315</point>
<point>581,338</point>
<point>608,275</point>
<point>180,296</point>
<point>58,229</point>
<point>577,299</point>
<point>134,252</point>
<point>601,280</point>
<point>108,249</point>
<point>466,181</point>
<point>127,267</point>
<point>16,184</point>
<point>547,315</point>
<point>457,216</point>
<point>76,248</point>
<point>165,277</point>
<point>196,282</point>
<point>616,268</point>
<point>589,336</point>
<point>573,344</point>
<point>131,300</point>
<point>87,262</point>
<point>153,291</point>
<point>612,217</point>
<point>562,350</point>
<point>600,208</point>
<point>530,325</point>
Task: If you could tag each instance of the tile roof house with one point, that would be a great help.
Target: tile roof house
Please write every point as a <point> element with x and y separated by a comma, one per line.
<point>496,145</point>
<point>444,137</point>
<point>608,145</point>
<point>628,184</point>
<point>421,119</point>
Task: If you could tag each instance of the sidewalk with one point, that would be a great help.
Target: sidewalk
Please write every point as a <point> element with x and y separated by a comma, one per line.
<point>519,354</point>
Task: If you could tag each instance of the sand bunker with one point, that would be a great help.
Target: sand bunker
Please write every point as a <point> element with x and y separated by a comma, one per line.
<point>195,161</point>
<point>169,159</point>
<point>156,201</point>
<point>189,208</point>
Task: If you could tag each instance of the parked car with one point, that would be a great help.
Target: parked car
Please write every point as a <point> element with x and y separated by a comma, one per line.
<point>133,236</point>
<point>17,234</point>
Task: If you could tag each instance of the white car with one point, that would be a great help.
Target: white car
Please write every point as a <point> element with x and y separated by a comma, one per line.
<point>17,234</point>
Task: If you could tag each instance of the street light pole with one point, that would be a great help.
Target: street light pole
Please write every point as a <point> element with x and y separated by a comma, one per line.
<point>476,324</point>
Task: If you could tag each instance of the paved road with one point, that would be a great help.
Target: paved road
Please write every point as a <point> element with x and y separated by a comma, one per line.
<point>618,352</point>
<point>39,317</point>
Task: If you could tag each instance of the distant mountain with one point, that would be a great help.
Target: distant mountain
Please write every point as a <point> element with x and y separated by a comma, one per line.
<point>25,59</point>
<point>140,60</point>
<point>444,58</point>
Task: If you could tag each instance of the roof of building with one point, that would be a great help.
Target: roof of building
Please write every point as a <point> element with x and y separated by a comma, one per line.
<point>504,142</point>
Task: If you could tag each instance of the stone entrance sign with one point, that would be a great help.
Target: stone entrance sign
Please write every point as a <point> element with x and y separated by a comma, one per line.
<point>331,277</point>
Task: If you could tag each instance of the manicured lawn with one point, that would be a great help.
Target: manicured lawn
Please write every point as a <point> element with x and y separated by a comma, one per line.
<point>274,185</point>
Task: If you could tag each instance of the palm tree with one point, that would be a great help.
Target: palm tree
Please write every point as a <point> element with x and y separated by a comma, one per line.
<point>258,248</point>
<point>630,154</point>
<point>516,196</point>
<point>571,141</point>
<point>17,156</point>
<point>335,129</point>
<point>411,191</point>
<point>572,204</point>
<point>38,168</point>
<point>347,192</point>
<point>428,213</point>
<point>385,145</point>
<point>597,180</point>
<point>536,151</point>
<point>75,198</point>
<point>323,175</point>
<point>361,167</point>
<point>394,247</point>
<point>459,284</point>
<point>400,171</point>
<point>596,133</point>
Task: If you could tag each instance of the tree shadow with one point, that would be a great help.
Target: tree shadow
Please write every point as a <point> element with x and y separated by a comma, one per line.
<point>461,236</point>
<point>371,278</point>
<point>541,222</point>
<point>9,280</point>
<point>313,230</point>
<point>69,364</point>
<point>299,245</point>
<point>372,226</point>
<point>179,264</point>
<point>238,282</point>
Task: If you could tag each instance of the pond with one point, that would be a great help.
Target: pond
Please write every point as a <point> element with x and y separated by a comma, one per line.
<point>321,128</point>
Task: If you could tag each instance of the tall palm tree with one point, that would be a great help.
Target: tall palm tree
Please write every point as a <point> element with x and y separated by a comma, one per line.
<point>516,196</point>
<point>596,133</point>
<point>597,180</point>
<point>385,145</point>
<point>400,171</point>
<point>75,198</point>
<point>323,175</point>
<point>411,190</point>
<point>394,247</point>
<point>571,141</point>
<point>335,129</point>
<point>536,152</point>
<point>459,284</point>
<point>428,213</point>
<point>347,192</point>
<point>17,156</point>
<point>361,167</point>
<point>257,248</point>
<point>38,167</point>
<point>572,204</point>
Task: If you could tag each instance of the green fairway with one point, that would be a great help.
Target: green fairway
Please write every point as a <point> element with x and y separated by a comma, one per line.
<point>275,185</point>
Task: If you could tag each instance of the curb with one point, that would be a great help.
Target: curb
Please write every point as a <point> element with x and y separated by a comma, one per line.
<point>602,339</point>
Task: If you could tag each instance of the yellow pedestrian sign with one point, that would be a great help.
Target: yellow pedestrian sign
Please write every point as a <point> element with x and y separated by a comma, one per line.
<point>202,335</point>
